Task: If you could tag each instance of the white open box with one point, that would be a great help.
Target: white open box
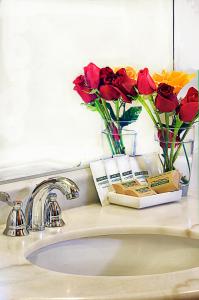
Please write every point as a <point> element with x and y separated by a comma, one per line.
<point>141,202</point>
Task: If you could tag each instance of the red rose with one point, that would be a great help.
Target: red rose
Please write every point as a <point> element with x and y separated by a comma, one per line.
<point>191,96</point>
<point>162,138</point>
<point>110,92</point>
<point>83,90</point>
<point>166,100</point>
<point>92,75</point>
<point>165,90</point>
<point>80,80</point>
<point>189,106</point>
<point>145,83</point>
<point>114,86</point>
<point>106,75</point>
<point>124,83</point>
<point>84,93</point>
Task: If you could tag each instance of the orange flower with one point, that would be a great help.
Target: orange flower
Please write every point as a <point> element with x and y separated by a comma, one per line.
<point>177,79</point>
<point>129,71</point>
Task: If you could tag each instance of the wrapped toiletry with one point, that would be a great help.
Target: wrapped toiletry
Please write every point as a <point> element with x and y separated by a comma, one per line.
<point>124,167</point>
<point>140,191</point>
<point>112,170</point>
<point>165,182</point>
<point>120,188</point>
<point>101,180</point>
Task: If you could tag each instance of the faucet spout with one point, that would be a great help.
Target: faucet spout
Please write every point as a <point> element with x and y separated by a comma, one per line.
<point>35,208</point>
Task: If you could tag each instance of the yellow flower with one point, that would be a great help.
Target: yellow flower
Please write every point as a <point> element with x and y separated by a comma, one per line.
<point>177,79</point>
<point>129,71</point>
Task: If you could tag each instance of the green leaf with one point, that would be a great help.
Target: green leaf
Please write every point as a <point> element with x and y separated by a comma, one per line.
<point>112,114</point>
<point>90,106</point>
<point>131,115</point>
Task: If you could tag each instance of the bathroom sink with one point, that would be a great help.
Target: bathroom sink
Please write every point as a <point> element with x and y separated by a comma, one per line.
<point>119,255</point>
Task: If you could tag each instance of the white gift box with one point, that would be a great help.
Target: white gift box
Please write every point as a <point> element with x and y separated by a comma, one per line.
<point>141,202</point>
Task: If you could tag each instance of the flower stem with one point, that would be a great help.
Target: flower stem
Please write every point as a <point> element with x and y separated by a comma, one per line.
<point>167,142</point>
<point>119,127</point>
<point>165,152</point>
<point>182,139</point>
<point>106,113</point>
<point>145,105</point>
<point>155,111</point>
<point>187,160</point>
<point>106,123</point>
<point>175,133</point>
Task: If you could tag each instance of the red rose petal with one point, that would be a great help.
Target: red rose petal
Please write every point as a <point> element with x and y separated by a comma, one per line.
<point>188,111</point>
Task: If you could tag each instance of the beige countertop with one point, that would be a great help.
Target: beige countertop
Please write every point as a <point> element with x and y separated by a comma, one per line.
<point>19,279</point>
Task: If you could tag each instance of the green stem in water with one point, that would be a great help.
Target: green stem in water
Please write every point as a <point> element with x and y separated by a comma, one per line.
<point>182,139</point>
<point>117,109</point>
<point>117,146</point>
<point>187,160</point>
<point>175,133</point>
<point>167,142</point>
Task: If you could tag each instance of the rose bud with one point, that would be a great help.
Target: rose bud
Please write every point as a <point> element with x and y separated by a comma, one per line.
<point>162,138</point>
<point>189,106</point>
<point>145,83</point>
<point>83,90</point>
<point>166,100</point>
<point>92,75</point>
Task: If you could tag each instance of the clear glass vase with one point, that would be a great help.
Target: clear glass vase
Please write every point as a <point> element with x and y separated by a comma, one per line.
<point>177,152</point>
<point>117,140</point>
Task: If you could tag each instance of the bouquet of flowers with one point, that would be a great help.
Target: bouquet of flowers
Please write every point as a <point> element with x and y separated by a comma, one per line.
<point>111,94</point>
<point>172,116</point>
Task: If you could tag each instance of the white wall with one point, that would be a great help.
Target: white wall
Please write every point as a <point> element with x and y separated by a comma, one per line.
<point>44,45</point>
<point>186,34</point>
<point>187,44</point>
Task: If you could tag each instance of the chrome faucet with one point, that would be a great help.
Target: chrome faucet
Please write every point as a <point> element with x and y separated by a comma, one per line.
<point>38,203</point>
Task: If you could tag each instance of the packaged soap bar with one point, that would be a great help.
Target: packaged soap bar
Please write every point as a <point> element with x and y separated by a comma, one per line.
<point>112,170</point>
<point>120,188</point>
<point>101,180</point>
<point>140,191</point>
<point>139,173</point>
<point>124,167</point>
<point>166,182</point>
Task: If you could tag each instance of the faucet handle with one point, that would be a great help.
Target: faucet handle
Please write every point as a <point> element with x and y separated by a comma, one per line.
<point>16,223</point>
<point>20,195</point>
<point>52,213</point>
<point>5,197</point>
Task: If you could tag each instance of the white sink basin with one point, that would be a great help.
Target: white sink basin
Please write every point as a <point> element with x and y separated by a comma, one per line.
<point>119,255</point>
